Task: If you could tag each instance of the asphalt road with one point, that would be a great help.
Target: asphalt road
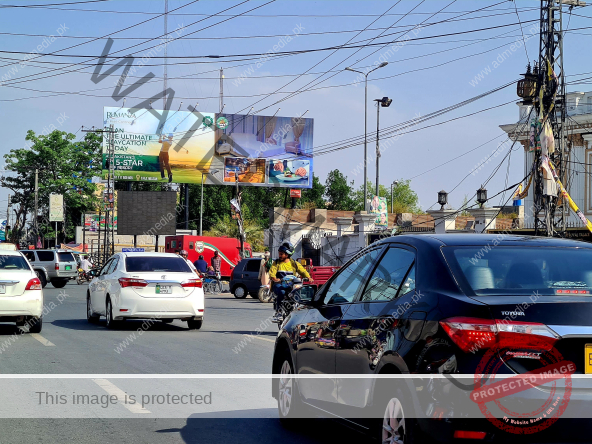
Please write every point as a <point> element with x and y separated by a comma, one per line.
<point>68,344</point>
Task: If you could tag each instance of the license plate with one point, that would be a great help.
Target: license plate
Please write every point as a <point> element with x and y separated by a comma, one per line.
<point>2,289</point>
<point>68,267</point>
<point>588,358</point>
<point>164,289</point>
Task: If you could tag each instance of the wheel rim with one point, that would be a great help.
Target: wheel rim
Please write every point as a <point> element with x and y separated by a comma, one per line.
<point>239,292</point>
<point>286,389</point>
<point>108,314</point>
<point>393,423</point>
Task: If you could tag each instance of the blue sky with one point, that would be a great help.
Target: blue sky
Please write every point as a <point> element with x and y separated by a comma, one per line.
<point>338,110</point>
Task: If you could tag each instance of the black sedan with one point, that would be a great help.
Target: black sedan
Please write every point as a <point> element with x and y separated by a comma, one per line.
<point>427,307</point>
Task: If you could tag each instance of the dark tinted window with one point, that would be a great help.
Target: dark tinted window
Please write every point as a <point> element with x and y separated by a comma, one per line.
<point>29,255</point>
<point>388,276</point>
<point>253,265</point>
<point>65,257</point>
<point>146,264</point>
<point>346,284</point>
<point>501,270</point>
<point>13,263</point>
<point>46,256</point>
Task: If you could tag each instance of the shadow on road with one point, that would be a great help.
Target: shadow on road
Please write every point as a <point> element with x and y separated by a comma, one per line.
<point>8,329</point>
<point>129,325</point>
<point>210,428</point>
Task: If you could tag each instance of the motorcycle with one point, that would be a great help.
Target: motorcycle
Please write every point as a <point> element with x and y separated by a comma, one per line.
<point>265,294</point>
<point>291,300</point>
<point>83,277</point>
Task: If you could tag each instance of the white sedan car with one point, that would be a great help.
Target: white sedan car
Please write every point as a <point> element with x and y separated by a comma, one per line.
<point>21,296</point>
<point>157,286</point>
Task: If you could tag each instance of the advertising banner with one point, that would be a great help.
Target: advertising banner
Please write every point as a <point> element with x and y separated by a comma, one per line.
<point>56,208</point>
<point>180,146</point>
<point>378,207</point>
<point>3,230</point>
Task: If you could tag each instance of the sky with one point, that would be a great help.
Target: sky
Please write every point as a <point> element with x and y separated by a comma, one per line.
<point>435,61</point>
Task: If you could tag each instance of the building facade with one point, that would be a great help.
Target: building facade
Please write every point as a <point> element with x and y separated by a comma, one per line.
<point>578,129</point>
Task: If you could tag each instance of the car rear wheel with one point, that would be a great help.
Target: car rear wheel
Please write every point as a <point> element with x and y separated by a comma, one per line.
<point>109,314</point>
<point>90,315</point>
<point>35,325</point>
<point>42,279</point>
<point>239,292</point>
<point>59,283</point>
<point>194,325</point>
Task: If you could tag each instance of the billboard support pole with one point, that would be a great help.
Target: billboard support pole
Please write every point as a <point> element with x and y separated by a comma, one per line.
<point>186,202</point>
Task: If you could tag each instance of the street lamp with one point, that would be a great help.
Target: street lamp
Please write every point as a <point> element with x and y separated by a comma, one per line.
<point>383,64</point>
<point>201,203</point>
<point>481,196</point>
<point>442,198</point>
<point>385,102</point>
<point>395,183</point>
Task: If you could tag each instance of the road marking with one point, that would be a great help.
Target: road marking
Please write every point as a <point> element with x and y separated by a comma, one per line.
<point>42,340</point>
<point>264,339</point>
<point>112,389</point>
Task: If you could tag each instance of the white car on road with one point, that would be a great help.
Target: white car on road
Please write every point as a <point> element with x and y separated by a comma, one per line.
<point>159,286</point>
<point>21,296</point>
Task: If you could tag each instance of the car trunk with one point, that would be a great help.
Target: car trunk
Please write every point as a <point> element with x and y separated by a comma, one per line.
<point>13,282</point>
<point>162,285</point>
<point>568,316</point>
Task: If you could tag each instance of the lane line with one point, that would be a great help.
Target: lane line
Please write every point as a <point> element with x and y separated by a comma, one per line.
<point>42,339</point>
<point>264,339</point>
<point>112,389</point>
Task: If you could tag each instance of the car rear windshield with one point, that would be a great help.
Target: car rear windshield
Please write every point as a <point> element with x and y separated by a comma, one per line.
<point>155,264</point>
<point>65,257</point>
<point>501,270</point>
<point>13,263</point>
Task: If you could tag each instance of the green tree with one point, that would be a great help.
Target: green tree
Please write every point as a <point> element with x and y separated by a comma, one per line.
<point>405,200</point>
<point>64,166</point>
<point>338,192</point>
<point>227,227</point>
<point>313,198</point>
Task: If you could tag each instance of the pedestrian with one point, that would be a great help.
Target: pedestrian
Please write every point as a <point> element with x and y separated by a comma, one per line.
<point>163,156</point>
<point>185,255</point>
<point>217,262</point>
<point>201,265</point>
<point>266,263</point>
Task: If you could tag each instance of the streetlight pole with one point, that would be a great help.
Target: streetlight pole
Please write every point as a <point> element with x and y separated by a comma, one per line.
<point>366,128</point>
<point>395,183</point>
<point>384,102</point>
<point>201,200</point>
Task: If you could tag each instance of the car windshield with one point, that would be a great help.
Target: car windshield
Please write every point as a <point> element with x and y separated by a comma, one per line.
<point>13,263</point>
<point>155,264</point>
<point>501,270</point>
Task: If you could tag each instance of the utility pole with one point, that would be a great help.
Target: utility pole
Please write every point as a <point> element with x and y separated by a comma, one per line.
<point>35,222</point>
<point>166,39</point>
<point>221,90</point>
<point>7,220</point>
<point>384,102</point>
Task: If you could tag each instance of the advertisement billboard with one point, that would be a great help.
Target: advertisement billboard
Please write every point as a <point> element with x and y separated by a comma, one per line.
<point>378,207</point>
<point>56,208</point>
<point>180,146</point>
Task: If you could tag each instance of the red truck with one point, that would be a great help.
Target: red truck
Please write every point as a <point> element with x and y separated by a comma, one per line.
<point>319,274</point>
<point>227,247</point>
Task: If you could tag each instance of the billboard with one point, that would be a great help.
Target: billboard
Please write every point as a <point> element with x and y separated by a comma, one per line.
<point>378,207</point>
<point>56,208</point>
<point>158,210</point>
<point>180,146</point>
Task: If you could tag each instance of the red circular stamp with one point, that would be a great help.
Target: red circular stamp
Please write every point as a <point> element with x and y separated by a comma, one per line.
<point>552,368</point>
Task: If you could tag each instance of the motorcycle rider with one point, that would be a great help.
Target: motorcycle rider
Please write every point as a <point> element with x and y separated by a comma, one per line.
<point>281,267</point>
<point>85,264</point>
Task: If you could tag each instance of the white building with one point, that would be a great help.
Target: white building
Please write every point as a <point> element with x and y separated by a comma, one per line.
<point>579,145</point>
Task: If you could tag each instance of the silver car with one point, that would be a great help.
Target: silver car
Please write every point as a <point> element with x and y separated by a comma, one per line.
<point>55,266</point>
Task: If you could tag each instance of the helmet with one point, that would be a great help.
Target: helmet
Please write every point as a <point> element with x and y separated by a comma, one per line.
<point>183,253</point>
<point>287,248</point>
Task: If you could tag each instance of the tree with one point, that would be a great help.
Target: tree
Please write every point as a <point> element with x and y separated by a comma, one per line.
<point>405,200</point>
<point>64,166</point>
<point>227,227</point>
<point>338,192</point>
<point>313,198</point>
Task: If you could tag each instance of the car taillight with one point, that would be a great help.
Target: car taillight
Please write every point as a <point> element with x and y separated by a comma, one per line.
<point>57,266</point>
<point>473,334</point>
<point>33,284</point>
<point>131,282</point>
<point>192,283</point>
<point>469,434</point>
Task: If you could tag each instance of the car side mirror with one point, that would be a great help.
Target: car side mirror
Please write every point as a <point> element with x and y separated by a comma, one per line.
<point>93,272</point>
<point>307,295</point>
